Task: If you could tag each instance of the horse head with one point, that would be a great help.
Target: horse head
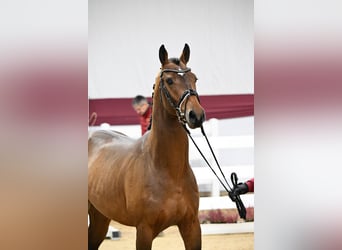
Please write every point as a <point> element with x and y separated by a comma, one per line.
<point>178,87</point>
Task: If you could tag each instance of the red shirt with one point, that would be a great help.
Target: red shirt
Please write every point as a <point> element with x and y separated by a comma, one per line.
<point>250,184</point>
<point>145,120</point>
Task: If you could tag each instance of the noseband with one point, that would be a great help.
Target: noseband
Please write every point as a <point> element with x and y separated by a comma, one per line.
<point>187,93</point>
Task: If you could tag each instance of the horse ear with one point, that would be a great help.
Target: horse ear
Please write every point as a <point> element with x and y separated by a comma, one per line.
<point>163,56</point>
<point>185,54</point>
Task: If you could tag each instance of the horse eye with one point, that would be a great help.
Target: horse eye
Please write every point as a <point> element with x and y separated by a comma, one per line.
<point>169,81</point>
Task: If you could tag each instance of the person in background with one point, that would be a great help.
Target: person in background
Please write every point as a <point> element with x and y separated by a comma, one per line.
<point>144,109</point>
<point>243,188</point>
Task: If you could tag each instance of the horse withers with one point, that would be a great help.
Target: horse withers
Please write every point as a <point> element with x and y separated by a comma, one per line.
<point>148,182</point>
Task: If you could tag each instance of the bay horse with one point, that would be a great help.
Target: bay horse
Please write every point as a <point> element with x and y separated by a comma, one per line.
<point>148,182</point>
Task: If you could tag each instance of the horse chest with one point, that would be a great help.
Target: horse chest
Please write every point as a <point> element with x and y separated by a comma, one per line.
<point>172,202</point>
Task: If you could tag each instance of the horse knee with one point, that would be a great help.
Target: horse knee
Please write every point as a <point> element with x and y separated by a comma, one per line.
<point>96,234</point>
<point>191,235</point>
<point>144,238</point>
<point>97,229</point>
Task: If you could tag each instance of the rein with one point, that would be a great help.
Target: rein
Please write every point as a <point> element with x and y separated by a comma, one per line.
<point>239,204</point>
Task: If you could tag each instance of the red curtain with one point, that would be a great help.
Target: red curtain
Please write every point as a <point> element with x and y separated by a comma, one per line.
<point>119,111</point>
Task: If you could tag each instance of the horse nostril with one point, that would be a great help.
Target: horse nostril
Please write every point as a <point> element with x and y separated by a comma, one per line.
<point>192,116</point>
<point>197,121</point>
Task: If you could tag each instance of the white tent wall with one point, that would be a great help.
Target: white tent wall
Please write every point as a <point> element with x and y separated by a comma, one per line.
<point>124,38</point>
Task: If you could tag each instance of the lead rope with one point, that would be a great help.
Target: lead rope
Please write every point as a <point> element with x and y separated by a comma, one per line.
<point>235,198</point>
<point>212,152</point>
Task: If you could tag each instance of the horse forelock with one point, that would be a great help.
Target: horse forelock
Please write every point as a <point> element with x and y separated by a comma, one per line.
<point>175,61</point>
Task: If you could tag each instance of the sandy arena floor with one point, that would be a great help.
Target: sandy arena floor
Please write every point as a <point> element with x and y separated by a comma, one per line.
<point>171,240</point>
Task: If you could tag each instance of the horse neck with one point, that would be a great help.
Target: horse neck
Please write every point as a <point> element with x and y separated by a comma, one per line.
<point>169,141</point>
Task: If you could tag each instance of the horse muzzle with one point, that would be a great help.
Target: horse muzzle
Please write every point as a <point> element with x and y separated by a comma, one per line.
<point>195,117</point>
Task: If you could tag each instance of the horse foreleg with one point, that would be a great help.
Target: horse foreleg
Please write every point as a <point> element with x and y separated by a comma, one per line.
<point>98,228</point>
<point>190,231</point>
<point>144,238</point>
